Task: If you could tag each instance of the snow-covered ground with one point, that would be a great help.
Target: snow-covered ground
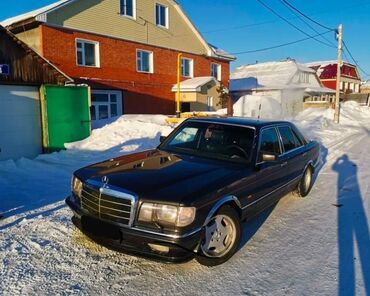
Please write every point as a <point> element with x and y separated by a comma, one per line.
<point>314,246</point>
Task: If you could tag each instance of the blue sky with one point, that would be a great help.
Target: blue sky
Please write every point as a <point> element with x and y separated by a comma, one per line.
<point>235,25</point>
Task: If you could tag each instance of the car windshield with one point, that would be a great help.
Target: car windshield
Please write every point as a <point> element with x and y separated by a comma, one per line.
<point>212,140</point>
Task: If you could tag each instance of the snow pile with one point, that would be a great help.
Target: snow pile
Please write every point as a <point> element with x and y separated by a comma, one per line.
<point>249,106</point>
<point>271,75</point>
<point>317,123</point>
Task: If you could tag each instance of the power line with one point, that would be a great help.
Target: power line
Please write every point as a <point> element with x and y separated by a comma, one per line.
<point>279,45</point>
<point>354,60</point>
<point>298,14</point>
<point>306,16</point>
<point>290,23</point>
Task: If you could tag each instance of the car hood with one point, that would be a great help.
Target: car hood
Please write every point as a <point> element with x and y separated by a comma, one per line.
<point>164,177</point>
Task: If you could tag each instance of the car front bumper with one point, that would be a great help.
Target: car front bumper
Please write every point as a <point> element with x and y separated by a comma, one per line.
<point>166,247</point>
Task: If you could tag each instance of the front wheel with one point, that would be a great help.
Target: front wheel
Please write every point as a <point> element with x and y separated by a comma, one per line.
<point>221,237</point>
<point>306,182</point>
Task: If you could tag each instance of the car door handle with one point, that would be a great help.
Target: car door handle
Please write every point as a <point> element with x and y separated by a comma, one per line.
<point>304,154</point>
<point>284,164</point>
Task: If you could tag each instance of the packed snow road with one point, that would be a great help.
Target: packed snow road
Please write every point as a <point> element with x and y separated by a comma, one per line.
<point>313,246</point>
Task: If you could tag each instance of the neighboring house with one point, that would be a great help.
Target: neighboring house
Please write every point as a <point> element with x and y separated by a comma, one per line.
<point>350,81</point>
<point>22,72</point>
<point>288,82</point>
<point>126,50</point>
<point>199,94</point>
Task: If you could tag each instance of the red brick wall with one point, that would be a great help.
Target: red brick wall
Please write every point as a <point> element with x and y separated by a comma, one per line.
<point>142,92</point>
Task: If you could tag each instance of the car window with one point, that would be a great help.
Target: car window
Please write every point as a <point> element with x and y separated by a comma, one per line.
<point>269,142</point>
<point>289,139</point>
<point>300,136</point>
<point>185,138</point>
<point>212,140</point>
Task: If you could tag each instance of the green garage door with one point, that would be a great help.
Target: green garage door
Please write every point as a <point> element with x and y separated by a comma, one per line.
<point>65,115</point>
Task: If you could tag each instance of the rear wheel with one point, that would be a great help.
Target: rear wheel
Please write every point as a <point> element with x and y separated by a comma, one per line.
<point>306,182</point>
<point>221,237</point>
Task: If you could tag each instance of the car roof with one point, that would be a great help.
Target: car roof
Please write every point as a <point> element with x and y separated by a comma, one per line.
<point>240,121</point>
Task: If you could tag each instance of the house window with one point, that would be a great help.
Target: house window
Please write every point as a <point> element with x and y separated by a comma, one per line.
<point>186,67</point>
<point>87,53</point>
<point>161,15</point>
<point>128,7</point>
<point>105,104</point>
<point>144,61</point>
<point>216,71</point>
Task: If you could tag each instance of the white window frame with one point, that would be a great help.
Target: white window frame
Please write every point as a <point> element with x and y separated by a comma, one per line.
<point>108,103</point>
<point>151,61</point>
<point>123,13</point>
<point>167,18</point>
<point>191,67</point>
<point>82,49</point>
<point>218,71</point>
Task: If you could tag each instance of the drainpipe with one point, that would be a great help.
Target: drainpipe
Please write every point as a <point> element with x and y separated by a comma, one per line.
<point>178,111</point>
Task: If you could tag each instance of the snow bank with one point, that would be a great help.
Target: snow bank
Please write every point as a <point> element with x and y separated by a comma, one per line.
<point>249,106</point>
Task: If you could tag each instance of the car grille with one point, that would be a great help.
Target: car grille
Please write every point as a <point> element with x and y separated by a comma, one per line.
<point>116,206</point>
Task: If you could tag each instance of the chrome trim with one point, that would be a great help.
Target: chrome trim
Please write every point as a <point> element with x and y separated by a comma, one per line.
<point>112,191</point>
<point>175,236</point>
<point>218,205</point>
<point>268,194</point>
<point>122,195</point>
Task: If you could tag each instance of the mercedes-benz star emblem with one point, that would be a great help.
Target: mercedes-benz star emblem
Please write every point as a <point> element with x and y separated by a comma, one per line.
<point>105,180</point>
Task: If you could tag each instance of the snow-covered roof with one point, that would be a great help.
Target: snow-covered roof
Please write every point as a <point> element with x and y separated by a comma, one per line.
<point>222,53</point>
<point>194,84</point>
<point>270,75</point>
<point>33,13</point>
<point>319,90</point>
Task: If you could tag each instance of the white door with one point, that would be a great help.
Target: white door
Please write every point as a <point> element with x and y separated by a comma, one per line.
<point>20,124</point>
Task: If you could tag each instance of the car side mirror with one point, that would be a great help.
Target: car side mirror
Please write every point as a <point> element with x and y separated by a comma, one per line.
<point>162,138</point>
<point>268,157</point>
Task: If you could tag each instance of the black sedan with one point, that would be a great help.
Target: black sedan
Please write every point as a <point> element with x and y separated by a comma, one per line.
<point>189,196</point>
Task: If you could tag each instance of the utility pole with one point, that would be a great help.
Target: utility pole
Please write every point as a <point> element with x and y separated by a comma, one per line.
<point>339,63</point>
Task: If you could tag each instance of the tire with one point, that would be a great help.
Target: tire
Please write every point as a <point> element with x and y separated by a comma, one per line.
<point>220,237</point>
<point>306,182</point>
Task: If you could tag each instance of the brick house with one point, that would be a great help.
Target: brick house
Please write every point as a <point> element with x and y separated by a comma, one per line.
<point>126,50</point>
<point>350,81</point>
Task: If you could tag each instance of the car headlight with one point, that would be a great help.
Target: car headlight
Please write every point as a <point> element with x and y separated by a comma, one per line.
<point>76,186</point>
<point>166,214</point>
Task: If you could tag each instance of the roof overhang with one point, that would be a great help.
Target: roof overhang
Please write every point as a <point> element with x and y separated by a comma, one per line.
<point>194,84</point>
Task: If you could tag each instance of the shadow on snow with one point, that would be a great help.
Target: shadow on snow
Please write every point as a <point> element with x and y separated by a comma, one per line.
<point>353,228</point>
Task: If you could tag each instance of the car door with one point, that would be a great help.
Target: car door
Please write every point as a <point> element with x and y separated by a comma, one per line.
<point>294,155</point>
<point>268,174</point>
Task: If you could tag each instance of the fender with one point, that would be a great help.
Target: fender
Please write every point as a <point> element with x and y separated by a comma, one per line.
<point>219,204</point>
